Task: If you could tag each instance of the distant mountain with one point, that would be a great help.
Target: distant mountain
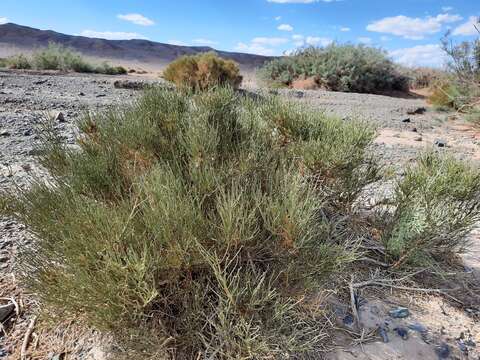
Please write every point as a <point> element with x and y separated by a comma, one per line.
<point>14,38</point>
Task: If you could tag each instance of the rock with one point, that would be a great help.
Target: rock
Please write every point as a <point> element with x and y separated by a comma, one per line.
<point>418,138</point>
<point>443,351</point>
<point>6,311</point>
<point>416,111</point>
<point>129,84</point>
<point>399,313</point>
<point>383,334</point>
<point>81,94</point>
<point>101,95</point>
<point>5,133</point>
<point>440,143</point>
<point>298,94</point>
<point>402,332</point>
<point>348,320</point>
<point>40,82</point>
<point>414,129</point>
<point>60,117</point>
<point>406,120</point>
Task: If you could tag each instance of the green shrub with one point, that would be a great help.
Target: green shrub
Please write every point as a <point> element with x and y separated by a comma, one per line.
<point>203,71</point>
<point>108,69</point>
<point>3,63</point>
<point>58,57</point>
<point>19,62</point>
<point>437,205</point>
<point>339,68</point>
<point>198,221</point>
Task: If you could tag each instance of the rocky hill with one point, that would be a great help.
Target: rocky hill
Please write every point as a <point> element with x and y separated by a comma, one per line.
<point>15,38</point>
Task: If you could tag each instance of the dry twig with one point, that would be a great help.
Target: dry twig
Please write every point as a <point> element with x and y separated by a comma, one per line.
<point>26,339</point>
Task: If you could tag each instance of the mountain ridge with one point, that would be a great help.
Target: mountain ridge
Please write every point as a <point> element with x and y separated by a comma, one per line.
<point>14,37</point>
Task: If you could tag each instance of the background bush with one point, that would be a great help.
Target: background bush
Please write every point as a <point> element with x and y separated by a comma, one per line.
<point>337,67</point>
<point>437,205</point>
<point>198,221</point>
<point>203,71</point>
<point>58,57</point>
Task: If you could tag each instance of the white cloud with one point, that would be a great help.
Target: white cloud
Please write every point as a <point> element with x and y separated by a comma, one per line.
<point>278,18</point>
<point>315,41</point>
<point>301,41</point>
<point>270,41</point>
<point>299,1</point>
<point>421,55</point>
<point>137,19</point>
<point>177,42</point>
<point>364,40</point>
<point>3,20</point>
<point>468,28</point>
<point>285,27</point>
<point>254,49</point>
<point>412,28</point>
<point>385,38</point>
<point>112,35</point>
<point>345,29</point>
<point>204,42</point>
<point>447,8</point>
<point>262,45</point>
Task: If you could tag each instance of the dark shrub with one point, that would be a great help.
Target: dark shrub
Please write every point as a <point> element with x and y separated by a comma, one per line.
<point>339,68</point>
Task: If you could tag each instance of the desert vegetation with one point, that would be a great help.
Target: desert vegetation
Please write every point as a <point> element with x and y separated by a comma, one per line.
<point>196,224</point>
<point>461,89</point>
<point>58,57</point>
<point>336,67</point>
<point>202,72</point>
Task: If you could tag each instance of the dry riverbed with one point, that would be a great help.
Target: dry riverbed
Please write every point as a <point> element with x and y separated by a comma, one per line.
<point>406,126</point>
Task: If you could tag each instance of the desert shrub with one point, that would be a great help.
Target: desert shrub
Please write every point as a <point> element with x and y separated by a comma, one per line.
<point>424,77</point>
<point>203,71</point>
<point>437,205</point>
<point>3,63</point>
<point>108,69</point>
<point>58,57</point>
<point>195,222</point>
<point>461,91</point>
<point>19,62</point>
<point>337,67</point>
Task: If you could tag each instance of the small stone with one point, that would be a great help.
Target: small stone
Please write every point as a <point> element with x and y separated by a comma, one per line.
<point>418,138</point>
<point>6,311</point>
<point>416,111</point>
<point>399,313</point>
<point>406,120</point>
<point>383,334</point>
<point>443,351</point>
<point>298,94</point>
<point>81,94</point>
<point>402,332</point>
<point>348,320</point>
<point>5,133</point>
<point>101,95</point>
<point>440,143</point>
<point>60,117</point>
<point>415,129</point>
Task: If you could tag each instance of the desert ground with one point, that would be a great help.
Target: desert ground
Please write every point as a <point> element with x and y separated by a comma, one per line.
<point>438,327</point>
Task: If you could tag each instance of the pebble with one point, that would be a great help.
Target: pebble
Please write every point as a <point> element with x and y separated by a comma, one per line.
<point>5,133</point>
<point>440,143</point>
<point>399,313</point>
<point>407,120</point>
<point>402,332</point>
<point>443,351</point>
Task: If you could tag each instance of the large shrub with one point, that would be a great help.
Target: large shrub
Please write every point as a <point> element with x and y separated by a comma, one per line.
<point>18,62</point>
<point>59,57</point>
<point>203,71</point>
<point>437,204</point>
<point>196,223</point>
<point>337,67</point>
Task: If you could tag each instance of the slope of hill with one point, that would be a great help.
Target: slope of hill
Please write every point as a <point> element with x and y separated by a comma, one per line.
<point>15,38</point>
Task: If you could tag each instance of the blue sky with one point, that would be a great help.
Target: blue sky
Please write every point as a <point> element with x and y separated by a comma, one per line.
<point>409,29</point>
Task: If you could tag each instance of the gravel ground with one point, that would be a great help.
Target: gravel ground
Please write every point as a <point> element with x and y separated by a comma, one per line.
<point>27,99</point>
